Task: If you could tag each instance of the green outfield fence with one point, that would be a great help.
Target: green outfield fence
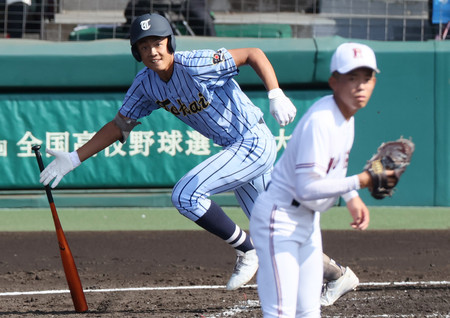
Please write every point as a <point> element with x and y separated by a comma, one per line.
<point>58,94</point>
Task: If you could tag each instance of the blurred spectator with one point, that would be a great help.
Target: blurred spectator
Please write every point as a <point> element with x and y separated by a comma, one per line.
<point>195,12</point>
<point>40,11</point>
<point>25,16</point>
<point>14,15</point>
<point>198,16</point>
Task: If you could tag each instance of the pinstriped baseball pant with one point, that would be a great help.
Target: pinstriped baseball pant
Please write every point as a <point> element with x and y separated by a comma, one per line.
<point>243,167</point>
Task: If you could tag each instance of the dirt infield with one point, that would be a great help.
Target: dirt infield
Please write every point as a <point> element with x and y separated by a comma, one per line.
<point>198,265</point>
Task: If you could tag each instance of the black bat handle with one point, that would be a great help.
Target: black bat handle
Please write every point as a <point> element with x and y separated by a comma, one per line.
<point>38,156</point>
<point>36,148</point>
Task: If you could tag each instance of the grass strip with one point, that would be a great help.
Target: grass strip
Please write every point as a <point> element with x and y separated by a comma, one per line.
<point>149,219</point>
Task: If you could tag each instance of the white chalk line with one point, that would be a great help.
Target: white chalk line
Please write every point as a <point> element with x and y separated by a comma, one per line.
<point>243,306</point>
<point>110,290</point>
<point>430,283</point>
<point>165,288</point>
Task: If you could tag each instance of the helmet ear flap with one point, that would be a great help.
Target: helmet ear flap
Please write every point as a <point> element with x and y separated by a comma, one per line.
<point>135,53</point>
<point>172,44</point>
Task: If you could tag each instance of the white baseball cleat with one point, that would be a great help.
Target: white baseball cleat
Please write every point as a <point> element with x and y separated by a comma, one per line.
<point>245,268</point>
<point>333,290</point>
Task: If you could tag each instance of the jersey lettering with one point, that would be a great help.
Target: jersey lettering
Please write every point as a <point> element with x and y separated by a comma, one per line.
<point>183,108</point>
<point>194,107</point>
<point>164,104</point>
<point>347,155</point>
<point>331,165</point>
<point>202,101</point>
<point>335,161</point>
<point>174,110</point>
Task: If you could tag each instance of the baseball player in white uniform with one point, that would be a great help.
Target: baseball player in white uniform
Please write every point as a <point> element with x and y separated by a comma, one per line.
<point>306,181</point>
<point>198,88</point>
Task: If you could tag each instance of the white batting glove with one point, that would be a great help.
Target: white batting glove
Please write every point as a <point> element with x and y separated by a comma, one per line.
<point>63,163</point>
<point>281,107</point>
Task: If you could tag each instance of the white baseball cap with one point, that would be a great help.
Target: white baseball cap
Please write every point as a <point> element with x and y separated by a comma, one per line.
<point>349,56</point>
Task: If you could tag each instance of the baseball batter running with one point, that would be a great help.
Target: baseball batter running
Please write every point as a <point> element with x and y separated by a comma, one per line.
<point>306,181</point>
<point>198,88</point>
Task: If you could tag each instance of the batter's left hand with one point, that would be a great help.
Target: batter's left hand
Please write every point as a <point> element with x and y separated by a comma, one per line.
<point>281,107</point>
<point>359,212</point>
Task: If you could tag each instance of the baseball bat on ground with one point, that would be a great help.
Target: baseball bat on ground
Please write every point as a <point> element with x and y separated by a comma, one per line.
<point>70,269</point>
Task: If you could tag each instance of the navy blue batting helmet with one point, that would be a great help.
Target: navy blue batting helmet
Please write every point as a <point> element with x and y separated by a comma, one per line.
<point>150,25</point>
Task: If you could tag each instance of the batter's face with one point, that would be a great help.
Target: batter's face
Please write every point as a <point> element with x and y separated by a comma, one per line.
<point>353,90</point>
<point>155,55</point>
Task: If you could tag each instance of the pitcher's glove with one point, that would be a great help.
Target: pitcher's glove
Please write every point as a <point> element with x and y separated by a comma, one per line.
<point>392,155</point>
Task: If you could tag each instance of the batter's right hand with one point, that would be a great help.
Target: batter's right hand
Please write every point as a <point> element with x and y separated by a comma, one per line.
<point>63,163</point>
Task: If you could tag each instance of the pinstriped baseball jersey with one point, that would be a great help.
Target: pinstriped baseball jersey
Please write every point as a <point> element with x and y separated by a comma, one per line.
<point>201,93</point>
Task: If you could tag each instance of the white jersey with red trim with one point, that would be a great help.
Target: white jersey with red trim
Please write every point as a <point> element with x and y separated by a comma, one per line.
<point>320,144</point>
<point>286,230</point>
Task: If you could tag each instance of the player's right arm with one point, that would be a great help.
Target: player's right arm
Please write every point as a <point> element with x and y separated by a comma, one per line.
<point>65,162</point>
<point>105,137</point>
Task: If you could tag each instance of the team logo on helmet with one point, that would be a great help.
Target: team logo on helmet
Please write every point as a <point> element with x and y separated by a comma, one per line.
<point>145,25</point>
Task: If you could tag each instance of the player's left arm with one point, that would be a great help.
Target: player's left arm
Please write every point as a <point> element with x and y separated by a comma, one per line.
<point>359,212</point>
<point>281,107</point>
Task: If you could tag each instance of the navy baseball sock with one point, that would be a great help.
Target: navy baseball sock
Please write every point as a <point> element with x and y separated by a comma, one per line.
<point>218,223</point>
<point>331,269</point>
